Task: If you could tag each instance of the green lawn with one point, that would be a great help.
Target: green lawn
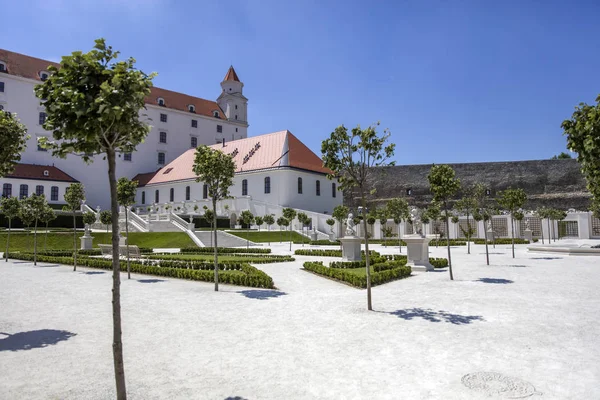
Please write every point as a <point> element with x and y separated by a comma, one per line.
<point>266,236</point>
<point>205,257</point>
<point>64,240</point>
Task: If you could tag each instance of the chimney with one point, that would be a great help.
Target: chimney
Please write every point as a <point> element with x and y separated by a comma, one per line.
<point>223,142</point>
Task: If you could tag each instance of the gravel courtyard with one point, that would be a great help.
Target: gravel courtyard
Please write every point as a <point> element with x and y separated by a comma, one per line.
<point>531,323</point>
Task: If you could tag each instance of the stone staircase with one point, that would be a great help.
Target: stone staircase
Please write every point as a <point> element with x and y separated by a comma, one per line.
<point>224,239</point>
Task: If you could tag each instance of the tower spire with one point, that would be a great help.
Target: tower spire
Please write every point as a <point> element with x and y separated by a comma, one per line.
<point>231,75</point>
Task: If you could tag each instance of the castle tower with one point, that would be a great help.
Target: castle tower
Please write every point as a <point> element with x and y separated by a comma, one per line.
<point>232,100</point>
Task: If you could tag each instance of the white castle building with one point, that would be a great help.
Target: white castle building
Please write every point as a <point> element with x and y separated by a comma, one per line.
<point>273,171</point>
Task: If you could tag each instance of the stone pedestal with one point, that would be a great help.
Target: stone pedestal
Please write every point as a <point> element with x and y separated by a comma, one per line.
<point>418,252</point>
<point>490,235</point>
<point>351,248</point>
<point>314,236</point>
<point>87,241</point>
<point>332,237</point>
<point>528,235</point>
<point>122,240</point>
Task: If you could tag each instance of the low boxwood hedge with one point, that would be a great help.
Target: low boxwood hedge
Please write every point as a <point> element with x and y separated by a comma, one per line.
<point>248,258</point>
<point>246,275</point>
<point>328,253</point>
<point>360,281</point>
<point>438,262</point>
<point>224,250</point>
<point>501,241</point>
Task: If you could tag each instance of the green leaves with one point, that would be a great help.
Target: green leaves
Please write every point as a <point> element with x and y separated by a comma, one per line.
<point>583,137</point>
<point>397,209</point>
<point>289,214</point>
<point>10,207</point>
<point>89,218</point>
<point>246,217</point>
<point>74,195</point>
<point>443,182</point>
<point>13,140</point>
<point>216,170</point>
<point>126,191</point>
<point>512,199</point>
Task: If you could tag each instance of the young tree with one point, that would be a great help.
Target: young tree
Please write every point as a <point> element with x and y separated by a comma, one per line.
<point>13,140</point>
<point>74,196</point>
<point>340,213</point>
<point>331,223</point>
<point>88,218</point>
<point>434,214</point>
<point>371,219</point>
<point>583,138</point>
<point>47,216</point>
<point>542,213</point>
<point>512,200</point>
<point>466,206</point>
<point>246,218</point>
<point>126,191</point>
<point>562,156</point>
<point>302,218</point>
<point>11,208</point>
<point>281,221</point>
<point>398,210</point>
<point>93,104</point>
<point>32,208</point>
<point>444,184</point>
<point>289,214</point>
<point>258,220</point>
<point>482,212</point>
<point>269,220</point>
<point>351,157</point>
<point>216,170</point>
<point>106,218</point>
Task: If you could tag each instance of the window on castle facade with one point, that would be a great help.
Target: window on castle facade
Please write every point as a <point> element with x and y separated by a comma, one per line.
<point>267,185</point>
<point>161,158</point>
<point>127,156</point>
<point>188,192</point>
<point>7,190</point>
<point>205,191</point>
<point>23,191</point>
<point>172,195</point>
<point>318,188</point>
<point>219,128</point>
<point>162,138</point>
<point>245,187</point>
<point>39,190</point>
<point>1,87</point>
<point>54,193</point>
<point>299,185</point>
<point>333,190</point>
<point>163,117</point>
<point>194,142</point>
<point>156,196</point>
<point>194,123</point>
<point>143,197</point>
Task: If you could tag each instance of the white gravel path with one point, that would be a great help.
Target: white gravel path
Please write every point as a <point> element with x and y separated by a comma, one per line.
<point>534,318</point>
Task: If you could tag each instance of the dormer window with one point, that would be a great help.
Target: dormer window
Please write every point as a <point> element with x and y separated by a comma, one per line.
<point>216,114</point>
<point>2,66</point>
<point>160,101</point>
<point>44,75</point>
<point>191,108</point>
<point>46,173</point>
<point>408,192</point>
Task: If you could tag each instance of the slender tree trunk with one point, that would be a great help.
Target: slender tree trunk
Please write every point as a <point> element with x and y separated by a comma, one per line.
<point>215,249</point>
<point>46,238</point>
<point>399,240</point>
<point>35,243</point>
<point>127,237</point>
<point>247,236</point>
<point>8,239</point>
<point>367,258</point>
<point>487,252</point>
<point>116,291</point>
<point>542,231</point>
<point>448,241</point>
<point>291,224</point>
<point>74,242</point>
<point>512,228</point>
<point>549,233</point>
<point>468,235</point>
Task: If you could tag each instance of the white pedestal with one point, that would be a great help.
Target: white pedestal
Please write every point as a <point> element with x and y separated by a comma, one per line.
<point>528,235</point>
<point>490,236</point>
<point>314,236</point>
<point>87,241</point>
<point>332,237</point>
<point>122,241</point>
<point>351,248</point>
<point>418,252</point>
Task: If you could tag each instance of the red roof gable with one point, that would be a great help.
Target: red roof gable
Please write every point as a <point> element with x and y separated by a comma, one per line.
<point>32,171</point>
<point>30,67</point>
<point>231,75</point>
<point>273,150</point>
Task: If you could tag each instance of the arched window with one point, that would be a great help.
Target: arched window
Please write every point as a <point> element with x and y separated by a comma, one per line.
<point>162,137</point>
<point>216,114</point>
<point>54,193</point>
<point>23,191</point>
<point>245,187</point>
<point>299,185</point>
<point>156,196</point>
<point>7,190</point>
<point>318,188</point>
<point>43,75</point>
<point>172,195</point>
<point>205,191</point>
<point>160,101</point>
<point>2,67</point>
<point>333,190</point>
<point>143,197</point>
<point>192,108</point>
<point>188,192</point>
<point>39,190</point>
<point>42,118</point>
<point>268,185</point>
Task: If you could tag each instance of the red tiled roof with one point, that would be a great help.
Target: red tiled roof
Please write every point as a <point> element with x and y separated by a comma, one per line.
<point>231,75</point>
<point>32,171</point>
<point>30,67</point>
<point>273,150</point>
<point>144,178</point>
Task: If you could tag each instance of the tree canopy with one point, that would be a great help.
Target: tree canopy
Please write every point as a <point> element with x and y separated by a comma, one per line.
<point>13,140</point>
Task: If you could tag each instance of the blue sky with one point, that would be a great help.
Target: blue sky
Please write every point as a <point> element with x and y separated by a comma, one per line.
<point>454,81</point>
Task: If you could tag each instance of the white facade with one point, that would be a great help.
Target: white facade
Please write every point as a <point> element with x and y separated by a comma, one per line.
<point>53,190</point>
<point>18,97</point>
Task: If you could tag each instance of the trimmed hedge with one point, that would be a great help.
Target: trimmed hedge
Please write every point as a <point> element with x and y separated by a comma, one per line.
<point>224,250</point>
<point>438,262</point>
<point>246,275</point>
<point>248,258</point>
<point>328,253</point>
<point>501,241</point>
<point>360,281</point>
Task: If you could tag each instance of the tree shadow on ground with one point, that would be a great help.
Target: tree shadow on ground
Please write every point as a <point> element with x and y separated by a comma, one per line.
<point>33,339</point>
<point>436,316</point>
<point>262,294</point>
<point>150,280</point>
<point>93,273</point>
<point>22,262</point>
<point>546,258</point>
<point>514,266</point>
<point>494,280</point>
<point>482,254</point>
<point>235,398</point>
<point>48,266</point>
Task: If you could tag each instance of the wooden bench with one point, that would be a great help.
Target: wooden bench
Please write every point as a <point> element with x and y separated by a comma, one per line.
<point>134,251</point>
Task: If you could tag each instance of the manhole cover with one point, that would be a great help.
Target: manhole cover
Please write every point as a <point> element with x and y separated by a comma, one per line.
<point>496,384</point>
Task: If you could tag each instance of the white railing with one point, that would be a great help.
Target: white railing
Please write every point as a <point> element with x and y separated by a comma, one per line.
<point>138,222</point>
<point>185,227</point>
